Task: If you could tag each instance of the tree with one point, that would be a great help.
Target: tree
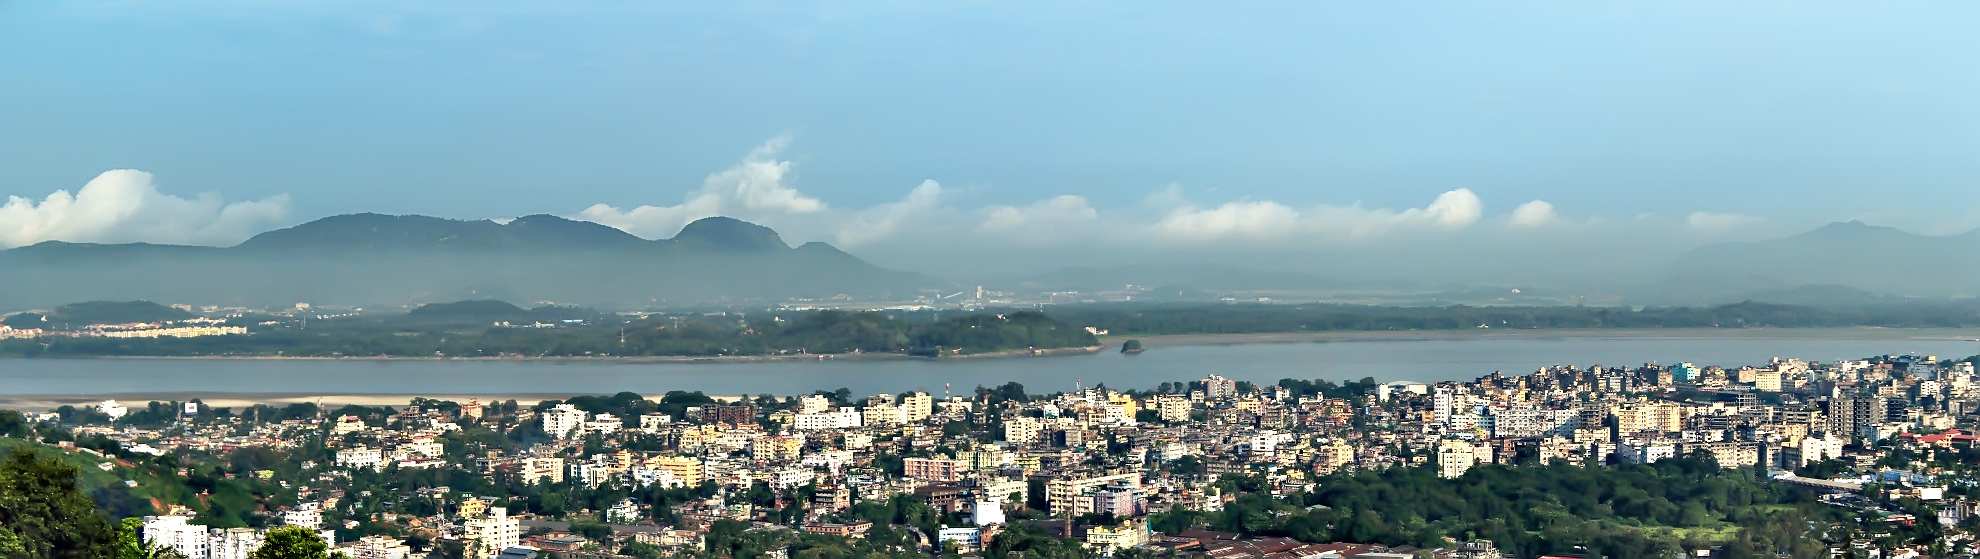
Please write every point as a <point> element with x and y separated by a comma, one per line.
<point>42,514</point>
<point>130,543</point>
<point>294,542</point>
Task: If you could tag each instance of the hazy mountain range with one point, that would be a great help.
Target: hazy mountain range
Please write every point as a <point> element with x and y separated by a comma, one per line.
<point>371,259</point>
<point>1839,262</point>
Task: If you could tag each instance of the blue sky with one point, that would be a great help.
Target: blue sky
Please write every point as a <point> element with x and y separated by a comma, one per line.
<point>1712,120</point>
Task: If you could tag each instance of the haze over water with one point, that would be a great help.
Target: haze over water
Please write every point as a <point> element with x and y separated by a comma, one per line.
<point>1385,360</point>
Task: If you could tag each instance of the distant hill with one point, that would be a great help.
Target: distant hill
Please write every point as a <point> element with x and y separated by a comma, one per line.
<point>372,259</point>
<point>1182,281</point>
<point>1858,258</point>
<point>486,309</point>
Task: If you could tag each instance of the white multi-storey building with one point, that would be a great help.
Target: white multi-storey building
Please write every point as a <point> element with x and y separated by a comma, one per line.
<point>604,424</point>
<point>1172,407</point>
<point>563,420</point>
<point>879,415</point>
<point>233,543</point>
<point>173,532</point>
<point>491,534</point>
<point>1455,457</point>
<point>1021,431</point>
<point>378,547</point>
<point>654,421</point>
<point>815,421</point>
<point>361,457</point>
<point>815,403</point>
<point>542,470</point>
<point>306,515</point>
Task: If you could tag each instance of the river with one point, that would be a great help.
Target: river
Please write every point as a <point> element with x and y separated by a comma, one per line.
<point>1419,360</point>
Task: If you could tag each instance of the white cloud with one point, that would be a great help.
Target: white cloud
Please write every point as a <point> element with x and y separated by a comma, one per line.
<point>1717,222</point>
<point>1534,214</point>
<point>124,206</point>
<point>881,221</point>
<point>1265,220</point>
<point>753,189</point>
<point>1051,211</point>
<point>1245,218</point>
<point>1456,209</point>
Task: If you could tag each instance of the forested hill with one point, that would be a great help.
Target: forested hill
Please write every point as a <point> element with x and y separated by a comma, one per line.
<point>369,260</point>
<point>1263,318</point>
<point>465,330</point>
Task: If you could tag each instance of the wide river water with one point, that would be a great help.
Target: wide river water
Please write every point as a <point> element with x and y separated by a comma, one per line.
<point>1419,360</point>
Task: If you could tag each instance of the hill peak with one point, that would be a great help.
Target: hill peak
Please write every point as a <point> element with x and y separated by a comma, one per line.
<point>728,233</point>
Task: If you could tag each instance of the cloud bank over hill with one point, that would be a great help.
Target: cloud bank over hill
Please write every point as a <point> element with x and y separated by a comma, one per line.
<point>1456,235</point>
<point>123,206</point>
<point>942,229</point>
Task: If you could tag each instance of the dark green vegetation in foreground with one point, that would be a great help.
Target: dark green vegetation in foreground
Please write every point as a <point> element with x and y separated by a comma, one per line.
<point>1619,512</point>
<point>44,513</point>
<point>494,328</point>
<point>1197,318</point>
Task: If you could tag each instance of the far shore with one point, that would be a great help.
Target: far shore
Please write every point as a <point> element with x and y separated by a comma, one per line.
<point>615,358</point>
<point>1108,343</point>
<point>239,400</point>
<point>1842,333</point>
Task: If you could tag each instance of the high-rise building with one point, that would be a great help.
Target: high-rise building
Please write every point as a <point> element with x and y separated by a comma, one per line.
<point>917,406</point>
<point>1063,493</point>
<point>306,515</point>
<point>563,420</point>
<point>1172,407</point>
<point>1216,387</point>
<point>173,532</point>
<point>491,534</point>
<point>815,403</point>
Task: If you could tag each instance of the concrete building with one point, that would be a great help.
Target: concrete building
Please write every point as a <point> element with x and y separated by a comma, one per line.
<point>491,534</point>
<point>563,420</point>
<point>825,420</point>
<point>916,407</point>
<point>883,415</point>
<point>1216,387</point>
<point>173,532</point>
<point>306,515</point>
<point>1455,457</point>
<point>542,470</point>
<point>1062,494</point>
<point>378,547</point>
<point>361,457</point>
<point>934,469</point>
<point>232,543</point>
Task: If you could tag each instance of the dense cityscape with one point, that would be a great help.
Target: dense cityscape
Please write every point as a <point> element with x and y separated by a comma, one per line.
<point>1865,458</point>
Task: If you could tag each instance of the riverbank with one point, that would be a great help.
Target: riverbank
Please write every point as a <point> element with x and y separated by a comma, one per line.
<point>1425,357</point>
<point>240,400</point>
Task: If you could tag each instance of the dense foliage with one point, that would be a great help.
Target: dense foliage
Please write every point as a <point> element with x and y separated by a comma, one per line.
<point>1259,318</point>
<point>44,514</point>
<point>461,331</point>
<point>1620,512</point>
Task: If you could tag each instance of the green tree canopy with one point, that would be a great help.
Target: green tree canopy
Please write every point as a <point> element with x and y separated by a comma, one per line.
<point>293,543</point>
<point>43,514</point>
